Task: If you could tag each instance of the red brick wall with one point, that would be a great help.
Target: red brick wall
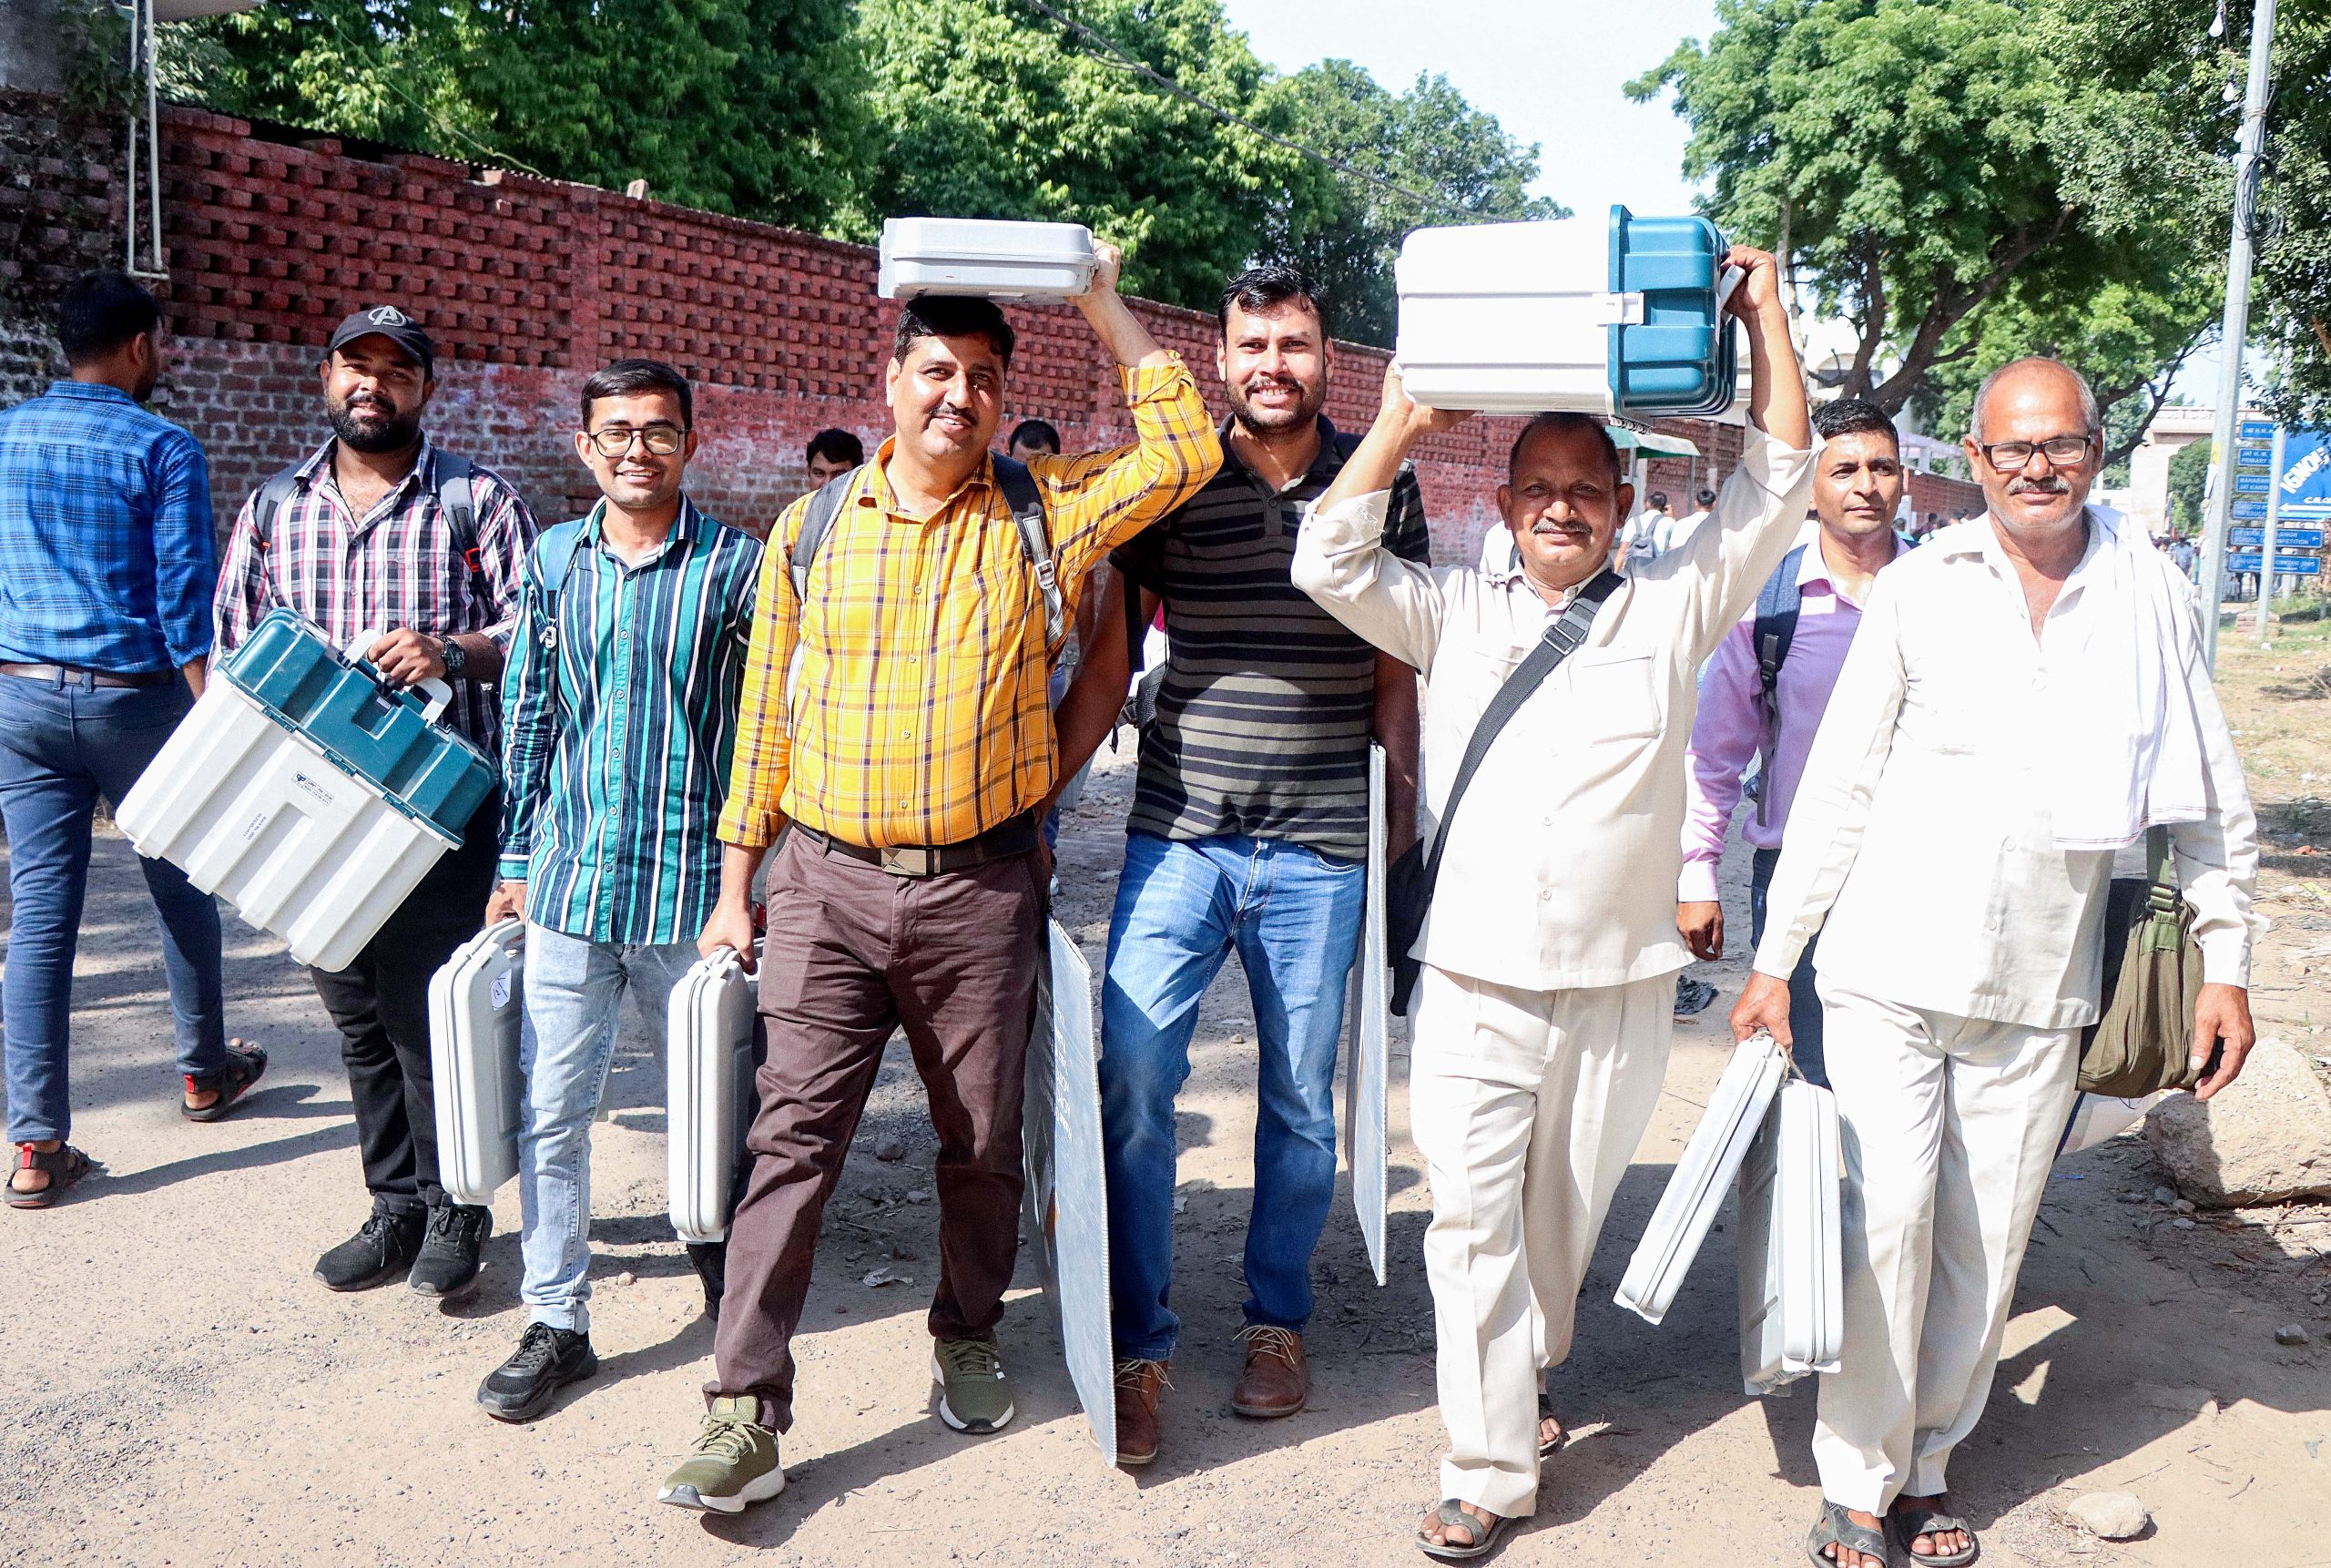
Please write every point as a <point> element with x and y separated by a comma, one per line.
<point>526,285</point>
<point>1950,499</point>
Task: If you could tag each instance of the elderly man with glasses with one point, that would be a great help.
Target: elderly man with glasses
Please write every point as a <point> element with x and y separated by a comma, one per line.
<point>2024,697</point>
<point>619,716</point>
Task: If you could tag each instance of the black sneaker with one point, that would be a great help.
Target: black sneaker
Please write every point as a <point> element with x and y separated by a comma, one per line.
<point>382,1249</point>
<point>545,1362</point>
<point>447,1261</point>
<point>710,1261</point>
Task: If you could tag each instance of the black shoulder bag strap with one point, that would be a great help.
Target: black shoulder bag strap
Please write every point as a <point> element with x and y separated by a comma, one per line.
<point>1411,882</point>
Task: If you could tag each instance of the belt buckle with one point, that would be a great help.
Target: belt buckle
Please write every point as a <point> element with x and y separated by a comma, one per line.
<point>909,860</point>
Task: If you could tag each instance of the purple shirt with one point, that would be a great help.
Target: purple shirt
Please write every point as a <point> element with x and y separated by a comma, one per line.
<point>1731,724</point>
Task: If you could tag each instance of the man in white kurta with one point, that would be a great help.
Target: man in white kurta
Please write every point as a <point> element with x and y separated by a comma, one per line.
<point>2025,693</point>
<point>1543,1015</point>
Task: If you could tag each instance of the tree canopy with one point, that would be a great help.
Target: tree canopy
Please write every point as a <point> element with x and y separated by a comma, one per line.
<point>831,113</point>
<point>1935,172</point>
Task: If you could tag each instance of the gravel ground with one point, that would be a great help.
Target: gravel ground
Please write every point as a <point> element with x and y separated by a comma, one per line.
<point>184,1393</point>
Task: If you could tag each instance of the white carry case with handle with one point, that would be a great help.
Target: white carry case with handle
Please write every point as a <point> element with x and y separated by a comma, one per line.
<point>306,792</point>
<point>709,1091</point>
<point>995,259</point>
<point>1792,1270</point>
<point>1695,1191</point>
<point>475,1004</point>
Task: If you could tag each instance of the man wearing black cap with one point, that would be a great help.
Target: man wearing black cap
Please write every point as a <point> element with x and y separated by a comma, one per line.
<point>381,527</point>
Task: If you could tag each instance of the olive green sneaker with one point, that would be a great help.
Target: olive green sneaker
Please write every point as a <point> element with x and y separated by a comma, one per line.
<point>975,1396</point>
<point>734,1463</point>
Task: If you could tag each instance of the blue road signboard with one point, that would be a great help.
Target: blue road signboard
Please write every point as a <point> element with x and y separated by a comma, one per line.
<point>2257,430</point>
<point>2285,565</point>
<point>2285,539</point>
<point>2306,481</point>
<point>2251,485</point>
<point>2246,511</point>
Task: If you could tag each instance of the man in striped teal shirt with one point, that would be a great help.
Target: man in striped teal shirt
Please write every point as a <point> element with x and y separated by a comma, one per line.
<point>620,713</point>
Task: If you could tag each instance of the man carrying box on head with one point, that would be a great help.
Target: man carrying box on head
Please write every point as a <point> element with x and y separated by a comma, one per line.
<point>381,527</point>
<point>619,719</point>
<point>1547,990</point>
<point>1763,692</point>
<point>2025,695</point>
<point>895,720</point>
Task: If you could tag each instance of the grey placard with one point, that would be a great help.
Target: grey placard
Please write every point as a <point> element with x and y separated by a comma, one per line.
<point>1067,1204</point>
<point>1367,1065</point>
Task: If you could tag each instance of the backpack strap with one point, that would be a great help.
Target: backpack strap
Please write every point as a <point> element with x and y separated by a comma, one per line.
<point>1027,503</point>
<point>552,558</point>
<point>274,497</point>
<point>1775,628</point>
<point>816,522</point>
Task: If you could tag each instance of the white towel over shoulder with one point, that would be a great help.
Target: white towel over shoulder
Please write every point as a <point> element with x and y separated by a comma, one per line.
<point>2130,748</point>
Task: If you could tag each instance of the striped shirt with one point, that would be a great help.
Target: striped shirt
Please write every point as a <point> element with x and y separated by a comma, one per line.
<point>107,557</point>
<point>1264,715</point>
<point>618,728</point>
<point>922,718</point>
<point>397,567</point>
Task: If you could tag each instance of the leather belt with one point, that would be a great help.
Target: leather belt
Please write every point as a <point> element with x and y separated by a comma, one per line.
<point>63,673</point>
<point>1018,836</point>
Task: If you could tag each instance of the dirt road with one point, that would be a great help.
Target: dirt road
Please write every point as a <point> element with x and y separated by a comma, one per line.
<point>181,1392</point>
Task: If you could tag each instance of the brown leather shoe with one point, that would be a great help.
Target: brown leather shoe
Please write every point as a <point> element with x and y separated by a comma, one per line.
<point>1277,1379</point>
<point>1140,1384</point>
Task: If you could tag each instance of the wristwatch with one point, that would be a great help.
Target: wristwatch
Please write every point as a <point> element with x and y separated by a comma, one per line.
<point>457,656</point>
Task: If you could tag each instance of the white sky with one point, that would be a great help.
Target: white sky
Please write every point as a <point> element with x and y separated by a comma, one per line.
<point>1551,71</point>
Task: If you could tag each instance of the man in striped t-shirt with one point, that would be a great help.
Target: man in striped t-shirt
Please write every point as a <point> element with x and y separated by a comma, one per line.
<point>1249,830</point>
<point>619,718</point>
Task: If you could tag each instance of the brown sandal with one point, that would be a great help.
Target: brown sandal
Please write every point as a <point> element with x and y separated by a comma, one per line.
<point>63,1164</point>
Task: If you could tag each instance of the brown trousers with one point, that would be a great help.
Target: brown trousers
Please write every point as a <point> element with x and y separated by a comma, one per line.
<point>853,953</point>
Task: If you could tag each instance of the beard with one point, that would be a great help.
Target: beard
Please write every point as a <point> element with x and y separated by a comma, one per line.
<point>1301,415</point>
<point>364,429</point>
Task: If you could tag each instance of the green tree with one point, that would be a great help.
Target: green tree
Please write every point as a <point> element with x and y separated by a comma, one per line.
<point>1427,140</point>
<point>2189,477</point>
<point>748,106</point>
<point>985,108</point>
<point>1925,164</point>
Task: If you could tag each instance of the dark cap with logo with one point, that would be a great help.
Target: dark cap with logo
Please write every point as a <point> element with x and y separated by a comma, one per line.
<point>387,322</point>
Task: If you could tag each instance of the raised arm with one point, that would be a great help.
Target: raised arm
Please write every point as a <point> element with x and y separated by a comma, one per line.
<point>1341,556</point>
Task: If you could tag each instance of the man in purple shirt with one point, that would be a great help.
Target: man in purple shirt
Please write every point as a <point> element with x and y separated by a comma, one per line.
<point>1764,691</point>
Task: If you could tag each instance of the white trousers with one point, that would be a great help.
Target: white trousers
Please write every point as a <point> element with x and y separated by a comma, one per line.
<point>1527,1105</point>
<point>1949,1127</point>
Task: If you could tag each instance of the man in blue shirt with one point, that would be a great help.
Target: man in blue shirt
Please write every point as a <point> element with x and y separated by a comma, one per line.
<point>107,564</point>
<point>619,716</point>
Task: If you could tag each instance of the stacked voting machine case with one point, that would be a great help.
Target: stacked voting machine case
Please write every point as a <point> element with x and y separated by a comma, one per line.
<point>1695,1191</point>
<point>307,792</point>
<point>1792,1278</point>
<point>475,1004</point>
<point>1616,317</point>
<point>709,1091</point>
<point>993,258</point>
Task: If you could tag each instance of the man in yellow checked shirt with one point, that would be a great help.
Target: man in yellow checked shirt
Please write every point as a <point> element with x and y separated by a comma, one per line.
<point>895,717</point>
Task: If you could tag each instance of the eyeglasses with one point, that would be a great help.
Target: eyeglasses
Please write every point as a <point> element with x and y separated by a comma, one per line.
<point>2061,451</point>
<point>663,439</point>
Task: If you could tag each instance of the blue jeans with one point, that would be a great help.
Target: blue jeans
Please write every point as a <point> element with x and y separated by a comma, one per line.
<point>63,742</point>
<point>1803,1006</point>
<point>1294,916</point>
<point>573,990</point>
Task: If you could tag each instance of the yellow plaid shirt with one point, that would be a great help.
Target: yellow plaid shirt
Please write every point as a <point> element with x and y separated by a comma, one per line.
<point>922,715</point>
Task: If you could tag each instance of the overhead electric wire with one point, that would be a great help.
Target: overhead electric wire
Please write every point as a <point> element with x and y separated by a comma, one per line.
<point>1431,203</point>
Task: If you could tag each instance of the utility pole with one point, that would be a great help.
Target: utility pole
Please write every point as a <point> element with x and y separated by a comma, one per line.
<point>2236,328</point>
<point>2266,550</point>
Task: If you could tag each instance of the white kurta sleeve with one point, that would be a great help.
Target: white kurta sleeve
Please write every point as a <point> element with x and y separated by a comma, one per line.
<point>1757,516</point>
<point>1841,772</point>
<point>1341,561</point>
<point>2217,857</point>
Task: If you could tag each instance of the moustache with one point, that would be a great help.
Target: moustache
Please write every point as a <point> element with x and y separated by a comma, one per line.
<point>2038,487</point>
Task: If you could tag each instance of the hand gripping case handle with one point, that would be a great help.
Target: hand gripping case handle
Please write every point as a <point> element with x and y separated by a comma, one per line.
<point>439,694</point>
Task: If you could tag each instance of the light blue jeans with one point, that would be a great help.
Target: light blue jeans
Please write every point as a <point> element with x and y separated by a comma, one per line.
<point>573,989</point>
<point>1294,915</point>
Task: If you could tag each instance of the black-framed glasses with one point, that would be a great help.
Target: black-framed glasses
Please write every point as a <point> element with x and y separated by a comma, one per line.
<point>2061,451</point>
<point>662,440</point>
